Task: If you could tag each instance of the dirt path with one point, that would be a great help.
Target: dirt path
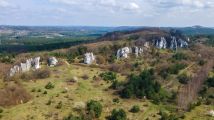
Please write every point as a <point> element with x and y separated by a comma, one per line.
<point>189,92</point>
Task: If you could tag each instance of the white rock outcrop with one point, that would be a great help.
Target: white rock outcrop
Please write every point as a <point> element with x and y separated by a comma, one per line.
<point>52,61</point>
<point>171,43</point>
<point>138,51</point>
<point>89,58</point>
<point>36,63</point>
<point>162,43</point>
<point>15,69</point>
<point>147,45</point>
<point>123,52</point>
<point>25,67</point>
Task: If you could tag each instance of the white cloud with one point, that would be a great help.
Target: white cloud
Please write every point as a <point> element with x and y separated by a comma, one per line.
<point>4,3</point>
<point>187,3</point>
<point>108,12</point>
<point>115,5</point>
<point>132,6</point>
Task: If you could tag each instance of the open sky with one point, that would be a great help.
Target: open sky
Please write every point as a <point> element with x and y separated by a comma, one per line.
<point>107,12</point>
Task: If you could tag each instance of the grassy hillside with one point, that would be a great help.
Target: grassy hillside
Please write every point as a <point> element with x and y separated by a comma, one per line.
<point>154,83</point>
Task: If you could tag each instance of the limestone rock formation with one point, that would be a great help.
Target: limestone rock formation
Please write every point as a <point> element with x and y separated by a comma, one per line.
<point>162,44</point>
<point>123,52</point>
<point>15,69</point>
<point>138,51</point>
<point>147,45</point>
<point>36,63</point>
<point>52,61</point>
<point>89,58</point>
<point>171,43</point>
<point>25,67</point>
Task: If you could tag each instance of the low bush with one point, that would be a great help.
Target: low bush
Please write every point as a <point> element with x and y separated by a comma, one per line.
<point>49,85</point>
<point>210,82</point>
<point>118,114</point>
<point>38,74</point>
<point>109,76</point>
<point>85,77</point>
<point>45,92</point>
<point>175,68</point>
<point>167,116</point>
<point>49,102</point>
<point>72,117</point>
<point>42,74</point>
<point>183,78</point>
<point>59,105</point>
<point>100,59</point>
<point>201,62</point>
<point>179,56</point>
<point>94,108</point>
<point>135,109</point>
<point>116,85</point>
<point>116,68</point>
<point>13,94</point>
<point>116,100</point>
<point>1,110</point>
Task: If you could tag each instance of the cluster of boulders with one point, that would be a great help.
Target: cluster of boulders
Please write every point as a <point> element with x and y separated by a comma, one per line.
<point>124,52</point>
<point>89,58</point>
<point>32,63</point>
<point>171,43</point>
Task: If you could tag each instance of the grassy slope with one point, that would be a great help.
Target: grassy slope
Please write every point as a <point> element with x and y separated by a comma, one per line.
<point>200,113</point>
<point>82,91</point>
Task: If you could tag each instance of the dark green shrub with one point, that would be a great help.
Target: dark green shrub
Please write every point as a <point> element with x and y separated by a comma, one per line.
<point>45,92</point>
<point>119,114</point>
<point>59,105</point>
<point>49,85</point>
<point>135,109</point>
<point>109,76</point>
<point>210,81</point>
<point>49,102</point>
<point>72,117</point>
<point>39,90</point>
<point>167,116</point>
<point>116,100</point>
<point>1,110</point>
<point>183,78</point>
<point>180,56</point>
<point>116,85</point>
<point>33,90</point>
<point>94,108</point>
<point>7,58</point>
<point>201,62</point>
<point>144,85</point>
<point>164,73</point>
<point>140,86</point>
<point>175,68</point>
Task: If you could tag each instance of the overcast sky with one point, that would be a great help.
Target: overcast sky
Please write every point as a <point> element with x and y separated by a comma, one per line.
<point>107,12</point>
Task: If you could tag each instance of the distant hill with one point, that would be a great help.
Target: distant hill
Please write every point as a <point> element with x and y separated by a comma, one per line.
<point>34,38</point>
<point>194,30</point>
